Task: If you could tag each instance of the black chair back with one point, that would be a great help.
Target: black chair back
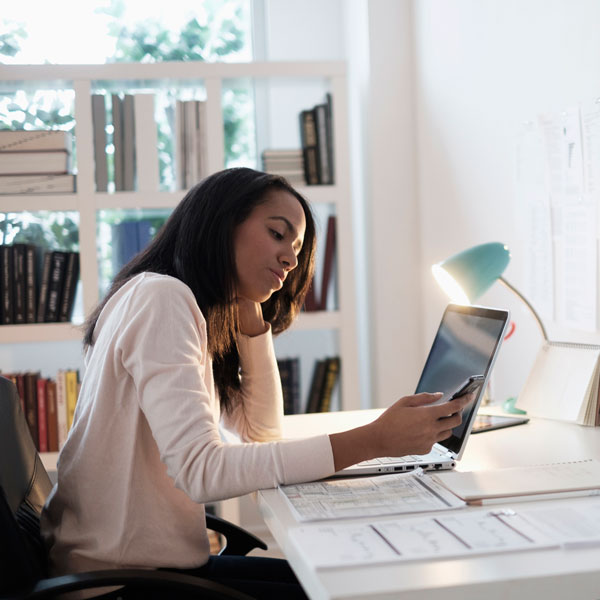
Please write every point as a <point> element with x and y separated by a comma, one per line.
<point>24,486</point>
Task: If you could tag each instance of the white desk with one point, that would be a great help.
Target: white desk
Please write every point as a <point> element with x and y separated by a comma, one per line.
<point>556,573</point>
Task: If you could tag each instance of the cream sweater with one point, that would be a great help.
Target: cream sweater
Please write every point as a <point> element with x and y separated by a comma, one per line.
<point>145,451</point>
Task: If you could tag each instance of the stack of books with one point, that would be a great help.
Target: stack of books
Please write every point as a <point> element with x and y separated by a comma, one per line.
<point>287,163</point>
<point>316,135</point>
<point>48,405</point>
<point>289,371</point>
<point>326,374</point>
<point>36,287</point>
<point>35,161</point>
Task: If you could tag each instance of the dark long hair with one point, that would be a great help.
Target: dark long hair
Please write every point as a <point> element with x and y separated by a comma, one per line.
<point>195,245</point>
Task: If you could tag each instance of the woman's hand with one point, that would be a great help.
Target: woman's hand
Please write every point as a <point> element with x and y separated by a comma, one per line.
<point>251,317</point>
<point>410,426</point>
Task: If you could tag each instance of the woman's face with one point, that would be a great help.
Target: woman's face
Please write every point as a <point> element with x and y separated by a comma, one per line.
<point>266,245</point>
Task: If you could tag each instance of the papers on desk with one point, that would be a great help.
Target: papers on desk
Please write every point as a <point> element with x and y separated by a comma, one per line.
<point>580,477</point>
<point>369,496</point>
<point>470,533</point>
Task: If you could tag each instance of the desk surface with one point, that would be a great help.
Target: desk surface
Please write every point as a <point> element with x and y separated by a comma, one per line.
<point>547,574</point>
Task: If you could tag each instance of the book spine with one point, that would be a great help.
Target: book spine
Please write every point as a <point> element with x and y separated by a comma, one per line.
<point>20,383</point>
<point>117,119</point>
<point>285,374</point>
<point>128,143</point>
<point>31,284</point>
<point>328,261</point>
<point>61,408</point>
<point>44,285</point>
<point>70,286</point>
<point>31,408</point>
<point>331,378</point>
<point>71,393</point>
<point>55,288</point>
<point>37,139</point>
<point>179,128</point>
<point>295,384</point>
<point>329,123</point>
<point>52,416</point>
<point>308,136</point>
<point>322,143</point>
<point>37,184</point>
<point>99,129</point>
<point>146,143</point>
<point>316,386</point>
<point>6,285</point>
<point>42,415</point>
<point>19,283</point>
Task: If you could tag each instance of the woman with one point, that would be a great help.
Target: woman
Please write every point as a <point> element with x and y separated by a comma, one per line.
<point>182,343</point>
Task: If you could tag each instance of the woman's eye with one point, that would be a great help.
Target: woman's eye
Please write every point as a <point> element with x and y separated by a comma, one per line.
<point>276,234</point>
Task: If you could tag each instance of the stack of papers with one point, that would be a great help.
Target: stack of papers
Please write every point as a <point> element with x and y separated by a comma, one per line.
<point>369,496</point>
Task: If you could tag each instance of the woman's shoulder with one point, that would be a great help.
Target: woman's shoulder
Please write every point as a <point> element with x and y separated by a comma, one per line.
<point>154,288</point>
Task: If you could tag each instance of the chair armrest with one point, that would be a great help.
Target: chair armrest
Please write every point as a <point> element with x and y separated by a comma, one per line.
<point>239,541</point>
<point>170,582</point>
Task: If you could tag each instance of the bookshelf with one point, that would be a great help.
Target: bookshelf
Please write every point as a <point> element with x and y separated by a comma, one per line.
<point>86,201</point>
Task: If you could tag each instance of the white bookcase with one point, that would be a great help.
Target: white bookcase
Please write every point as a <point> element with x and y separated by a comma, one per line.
<point>83,80</point>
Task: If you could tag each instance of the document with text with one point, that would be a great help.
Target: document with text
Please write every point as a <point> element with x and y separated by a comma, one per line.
<point>369,496</point>
<point>573,524</point>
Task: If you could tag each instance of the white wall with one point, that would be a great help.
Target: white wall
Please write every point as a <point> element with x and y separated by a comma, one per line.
<point>482,68</point>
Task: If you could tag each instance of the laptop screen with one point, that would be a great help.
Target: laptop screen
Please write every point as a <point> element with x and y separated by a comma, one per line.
<point>466,344</point>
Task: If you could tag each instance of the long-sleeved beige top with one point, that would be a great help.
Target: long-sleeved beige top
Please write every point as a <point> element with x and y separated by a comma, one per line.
<point>145,451</point>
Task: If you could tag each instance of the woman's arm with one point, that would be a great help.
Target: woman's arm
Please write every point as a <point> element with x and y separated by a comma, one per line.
<point>409,426</point>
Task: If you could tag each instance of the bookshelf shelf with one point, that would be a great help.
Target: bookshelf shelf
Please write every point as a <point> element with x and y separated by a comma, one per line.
<point>42,332</point>
<point>214,78</point>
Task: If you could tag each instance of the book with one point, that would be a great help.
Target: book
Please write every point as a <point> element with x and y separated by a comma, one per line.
<point>42,415</point>
<point>7,284</point>
<point>316,386</point>
<point>30,283</point>
<point>179,144</point>
<point>52,416</point>
<point>323,145</point>
<point>146,143</point>
<point>69,287</point>
<point>19,283</point>
<point>61,407</point>
<point>99,131</point>
<point>332,374</point>
<point>523,482</point>
<point>563,383</point>
<point>308,138</point>
<point>117,120</point>
<point>35,139</point>
<point>44,279</point>
<point>31,408</point>
<point>37,184</point>
<point>128,120</point>
<point>328,260</point>
<point>34,162</point>
<point>289,371</point>
<point>310,300</point>
<point>71,395</point>
<point>55,285</point>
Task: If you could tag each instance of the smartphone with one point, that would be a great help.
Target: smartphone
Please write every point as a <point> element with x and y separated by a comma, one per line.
<point>469,385</point>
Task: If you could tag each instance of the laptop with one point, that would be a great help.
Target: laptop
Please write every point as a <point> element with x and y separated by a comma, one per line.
<point>466,343</point>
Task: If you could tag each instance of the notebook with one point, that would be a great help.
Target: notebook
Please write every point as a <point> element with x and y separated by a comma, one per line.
<point>466,343</point>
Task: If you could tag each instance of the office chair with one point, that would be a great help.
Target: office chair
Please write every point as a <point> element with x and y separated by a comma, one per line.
<point>24,487</point>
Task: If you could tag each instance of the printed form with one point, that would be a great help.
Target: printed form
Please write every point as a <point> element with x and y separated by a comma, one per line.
<point>567,524</point>
<point>369,496</point>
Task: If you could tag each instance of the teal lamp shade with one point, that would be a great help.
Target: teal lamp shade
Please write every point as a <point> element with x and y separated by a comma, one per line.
<point>468,274</point>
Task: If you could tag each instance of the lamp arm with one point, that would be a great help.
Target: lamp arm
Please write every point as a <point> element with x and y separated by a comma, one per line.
<point>533,312</point>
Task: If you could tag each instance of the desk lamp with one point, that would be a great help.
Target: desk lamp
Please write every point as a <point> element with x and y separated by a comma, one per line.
<point>465,276</point>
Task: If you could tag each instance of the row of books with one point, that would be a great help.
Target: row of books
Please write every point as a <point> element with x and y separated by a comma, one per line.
<point>134,139</point>
<point>36,286</point>
<point>325,377</point>
<point>316,299</point>
<point>128,238</point>
<point>35,161</point>
<point>316,136</point>
<point>48,405</point>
